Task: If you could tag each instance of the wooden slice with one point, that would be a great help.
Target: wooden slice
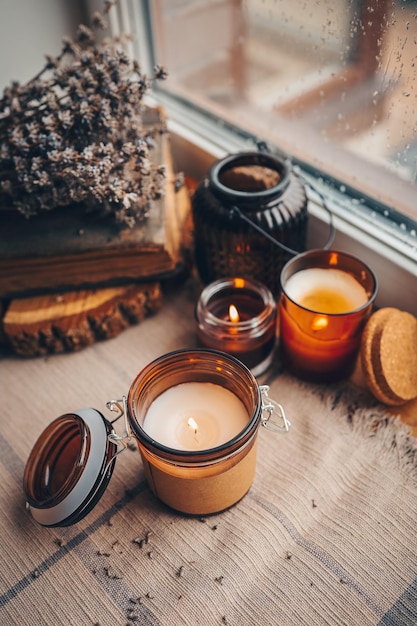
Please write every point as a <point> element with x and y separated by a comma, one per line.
<point>70,321</point>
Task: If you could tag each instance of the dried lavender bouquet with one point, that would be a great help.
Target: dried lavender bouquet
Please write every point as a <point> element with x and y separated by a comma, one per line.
<point>75,132</point>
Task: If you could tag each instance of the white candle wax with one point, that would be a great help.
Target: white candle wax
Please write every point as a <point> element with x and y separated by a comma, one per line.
<point>326,290</point>
<point>195,416</point>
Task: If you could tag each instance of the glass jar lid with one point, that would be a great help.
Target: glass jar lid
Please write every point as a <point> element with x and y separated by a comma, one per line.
<point>69,467</point>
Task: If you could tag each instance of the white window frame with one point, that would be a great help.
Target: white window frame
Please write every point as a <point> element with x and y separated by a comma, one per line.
<point>384,239</point>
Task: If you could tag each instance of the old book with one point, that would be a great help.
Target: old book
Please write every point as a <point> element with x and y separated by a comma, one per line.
<point>70,248</point>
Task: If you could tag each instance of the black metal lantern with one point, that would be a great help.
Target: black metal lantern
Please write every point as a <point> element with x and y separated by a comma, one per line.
<point>241,192</point>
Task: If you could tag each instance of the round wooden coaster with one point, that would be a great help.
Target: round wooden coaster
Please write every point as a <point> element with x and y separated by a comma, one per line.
<point>389,356</point>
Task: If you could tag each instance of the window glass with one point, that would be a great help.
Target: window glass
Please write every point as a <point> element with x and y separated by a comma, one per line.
<point>332,82</point>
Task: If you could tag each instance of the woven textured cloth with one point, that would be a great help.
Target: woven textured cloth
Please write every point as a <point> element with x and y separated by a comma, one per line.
<point>326,534</point>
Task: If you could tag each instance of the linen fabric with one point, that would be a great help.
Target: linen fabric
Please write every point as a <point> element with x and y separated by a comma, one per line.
<point>326,534</point>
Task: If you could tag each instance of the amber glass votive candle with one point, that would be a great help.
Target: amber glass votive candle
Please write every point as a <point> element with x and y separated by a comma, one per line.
<point>238,316</point>
<point>195,415</point>
<point>326,299</point>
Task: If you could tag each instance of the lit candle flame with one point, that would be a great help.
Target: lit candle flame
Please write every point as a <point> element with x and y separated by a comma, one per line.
<point>193,424</point>
<point>233,313</point>
<point>320,322</point>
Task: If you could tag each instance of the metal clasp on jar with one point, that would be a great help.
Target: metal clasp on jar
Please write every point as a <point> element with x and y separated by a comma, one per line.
<point>273,414</point>
<point>122,441</point>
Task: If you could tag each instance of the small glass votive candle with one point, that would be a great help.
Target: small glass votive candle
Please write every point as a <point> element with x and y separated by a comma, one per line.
<point>326,299</point>
<point>195,415</point>
<point>238,316</point>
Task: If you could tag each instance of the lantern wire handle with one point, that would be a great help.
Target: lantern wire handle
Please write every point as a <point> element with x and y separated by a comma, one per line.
<point>234,210</point>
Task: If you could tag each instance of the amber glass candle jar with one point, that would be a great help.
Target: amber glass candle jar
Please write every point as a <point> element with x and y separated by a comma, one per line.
<point>197,481</point>
<point>195,415</point>
<point>238,316</point>
<point>326,299</point>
